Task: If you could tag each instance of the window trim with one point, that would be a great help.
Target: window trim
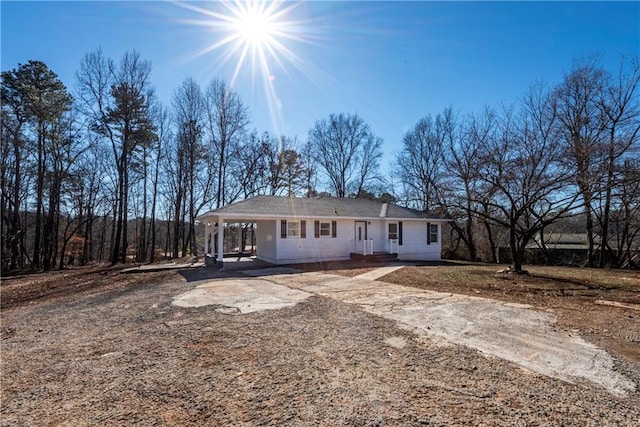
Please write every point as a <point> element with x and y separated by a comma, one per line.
<point>326,232</point>
<point>431,233</point>
<point>297,228</point>
<point>389,231</point>
<point>333,229</point>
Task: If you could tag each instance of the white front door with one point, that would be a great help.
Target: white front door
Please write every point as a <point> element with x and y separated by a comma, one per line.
<point>360,235</point>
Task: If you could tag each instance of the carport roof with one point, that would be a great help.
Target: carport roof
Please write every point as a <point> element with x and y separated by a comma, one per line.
<point>320,207</point>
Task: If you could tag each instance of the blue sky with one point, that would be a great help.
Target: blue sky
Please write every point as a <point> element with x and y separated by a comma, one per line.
<point>390,62</point>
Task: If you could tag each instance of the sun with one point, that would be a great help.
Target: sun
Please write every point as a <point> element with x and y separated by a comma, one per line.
<point>256,28</point>
<point>259,31</point>
<point>260,36</point>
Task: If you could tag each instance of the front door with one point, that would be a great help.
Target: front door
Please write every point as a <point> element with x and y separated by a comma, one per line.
<point>360,235</point>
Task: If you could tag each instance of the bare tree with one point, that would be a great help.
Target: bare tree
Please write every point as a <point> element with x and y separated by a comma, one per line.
<point>523,170</point>
<point>310,170</point>
<point>600,118</point>
<point>65,148</point>
<point>226,125</point>
<point>89,194</point>
<point>249,168</point>
<point>195,180</point>
<point>162,120</point>
<point>462,192</point>
<point>285,171</point>
<point>582,128</point>
<point>421,162</point>
<point>118,101</point>
<point>618,104</point>
<point>625,218</point>
<point>347,152</point>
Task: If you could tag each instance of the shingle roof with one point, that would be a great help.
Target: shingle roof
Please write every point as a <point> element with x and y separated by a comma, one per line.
<point>563,241</point>
<point>320,207</point>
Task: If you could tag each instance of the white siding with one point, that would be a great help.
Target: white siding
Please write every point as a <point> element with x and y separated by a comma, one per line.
<point>414,244</point>
<point>312,249</point>
<point>267,235</point>
<point>377,232</point>
<point>274,249</point>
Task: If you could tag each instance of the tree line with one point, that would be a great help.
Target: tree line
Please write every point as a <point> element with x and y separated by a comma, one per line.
<point>108,173</point>
<point>513,172</point>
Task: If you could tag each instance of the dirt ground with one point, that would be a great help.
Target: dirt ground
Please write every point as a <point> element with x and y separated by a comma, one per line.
<point>603,306</point>
<point>95,347</point>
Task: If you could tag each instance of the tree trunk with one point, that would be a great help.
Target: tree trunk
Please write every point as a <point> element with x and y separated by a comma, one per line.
<point>168,238</point>
<point>492,243</point>
<point>39,193</point>
<point>50,238</point>
<point>604,223</point>
<point>192,218</point>
<point>152,255</point>
<point>471,244</point>
<point>517,251</point>
<point>221,180</point>
<point>125,214</point>
<point>176,227</point>
<point>517,262</point>
<point>142,239</point>
<point>88,235</point>
<point>118,216</point>
<point>15,213</point>
<point>590,239</point>
<point>103,239</point>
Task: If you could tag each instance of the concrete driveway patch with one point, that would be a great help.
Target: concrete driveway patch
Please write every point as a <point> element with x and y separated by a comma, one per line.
<point>523,336</point>
<point>514,332</point>
<point>379,272</point>
<point>241,296</point>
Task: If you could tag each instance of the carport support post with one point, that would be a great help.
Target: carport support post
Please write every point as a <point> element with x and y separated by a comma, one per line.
<point>220,241</point>
<point>210,237</point>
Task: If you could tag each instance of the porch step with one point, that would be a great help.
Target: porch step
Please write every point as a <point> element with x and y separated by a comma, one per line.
<point>375,257</point>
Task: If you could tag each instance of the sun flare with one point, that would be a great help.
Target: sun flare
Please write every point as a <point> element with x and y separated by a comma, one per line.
<point>255,27</point>
<point>260,35</point>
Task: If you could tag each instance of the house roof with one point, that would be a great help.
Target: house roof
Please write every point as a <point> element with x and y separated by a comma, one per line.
<point>562,241</point>
<point>321,207</point>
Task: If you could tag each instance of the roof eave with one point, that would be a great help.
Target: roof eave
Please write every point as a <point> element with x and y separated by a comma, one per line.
<point>253,216</point>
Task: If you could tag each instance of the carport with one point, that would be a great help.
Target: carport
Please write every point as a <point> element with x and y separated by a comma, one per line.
<point>215,228</point>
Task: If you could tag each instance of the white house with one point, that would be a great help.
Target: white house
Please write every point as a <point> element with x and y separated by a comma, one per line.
<point>298,230</point>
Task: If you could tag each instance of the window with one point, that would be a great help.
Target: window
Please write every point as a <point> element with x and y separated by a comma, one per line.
<point>432,233</point>
<point>325,229</point>
<point>293,229</point>
<point>393,231</point>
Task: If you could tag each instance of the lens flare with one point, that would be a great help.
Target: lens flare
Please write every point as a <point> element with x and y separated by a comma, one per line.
<point>258,35</point>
